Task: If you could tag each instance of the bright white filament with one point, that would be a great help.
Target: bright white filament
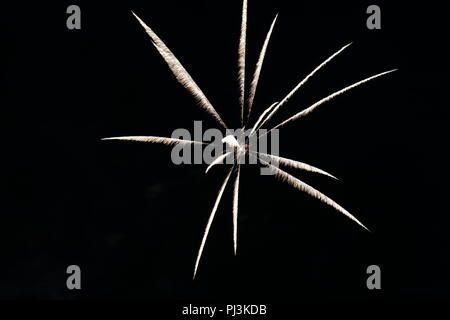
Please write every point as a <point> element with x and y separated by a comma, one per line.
<point>181,74</point>
<point>210,220</point>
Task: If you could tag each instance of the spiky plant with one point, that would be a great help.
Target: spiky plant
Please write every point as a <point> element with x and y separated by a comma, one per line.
<point>246,102</point>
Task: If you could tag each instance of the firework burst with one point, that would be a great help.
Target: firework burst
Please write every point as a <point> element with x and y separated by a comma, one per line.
<point>240,149</point>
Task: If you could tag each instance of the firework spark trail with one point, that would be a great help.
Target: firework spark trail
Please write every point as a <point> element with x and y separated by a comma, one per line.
<point>326,99</point>
<point>300,185</point>
<point>181,74</point>
<point>218,160</point>
<point>210,220</point>
<point>261,117</point>
<point>241,60</point>
<point>235,207</point>
<point>150,139</point>
<point>294,164</point>
<point>258,69</point>
<point>303,82</point>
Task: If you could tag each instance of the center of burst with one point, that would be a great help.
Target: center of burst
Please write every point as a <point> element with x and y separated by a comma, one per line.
<point>239,148</point>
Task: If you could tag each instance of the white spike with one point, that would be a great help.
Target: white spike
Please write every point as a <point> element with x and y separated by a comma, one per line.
<point>295,164</point>
<point>303,82</point>
<point>328,98</point>
<point>218,160</point>
<point>258,68</point>
<point>150,139</point>
<point>241,59</point>
<point>181,74</point>
<point>210,220</point>
<point>235,207</point>
<point>261,117</point>
<point>300,185</point>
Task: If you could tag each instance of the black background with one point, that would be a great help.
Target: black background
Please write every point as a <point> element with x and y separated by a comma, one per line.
<point>133,221</point>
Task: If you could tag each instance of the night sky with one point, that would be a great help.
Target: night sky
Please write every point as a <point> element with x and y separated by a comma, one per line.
<point>133,221</point>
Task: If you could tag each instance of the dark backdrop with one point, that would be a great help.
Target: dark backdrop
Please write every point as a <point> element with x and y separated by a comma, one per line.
<point>133,221</point>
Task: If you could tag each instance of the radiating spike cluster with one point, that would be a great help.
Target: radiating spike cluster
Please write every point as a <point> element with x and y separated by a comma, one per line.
<point>240,150</point>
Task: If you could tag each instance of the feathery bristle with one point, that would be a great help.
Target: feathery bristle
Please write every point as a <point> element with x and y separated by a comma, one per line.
<point>300,185</point>
<point>150,139</point>
<point>262,117</point>
<point>258,69</point>
<point>241,59</point>
<point>295,164</point>
<point>328,98</point>
<point>320,66</point>
<point>181,74</point>
<point>210,220</point>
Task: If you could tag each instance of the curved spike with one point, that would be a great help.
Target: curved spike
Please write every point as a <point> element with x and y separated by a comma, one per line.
<point>218,160</point>
<point>210,220</point>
